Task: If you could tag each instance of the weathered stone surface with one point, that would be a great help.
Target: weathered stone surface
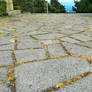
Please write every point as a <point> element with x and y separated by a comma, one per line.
<point>67,39</point>
<point>83,85</point>
<point>4,40</point>
<point>5,58</point>
<point>47,42</point>
<point>29,45</point>
<point>48,29</point>
<point>26,55</point>
<point>5,88</point>
<point>78,50</point>
<point>49,36</point>
<point>3,74</point>
<point>7,47</point>
<point>25,39</point>
<point>89,44</point>
<point>81,37</point>
<point>56,50</point>
<point>37,77</point>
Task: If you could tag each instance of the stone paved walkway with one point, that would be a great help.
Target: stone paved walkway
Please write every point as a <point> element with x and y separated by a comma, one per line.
<point>46,53</point>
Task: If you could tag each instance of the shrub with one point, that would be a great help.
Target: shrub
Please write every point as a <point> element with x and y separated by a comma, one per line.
<point>3,8</point>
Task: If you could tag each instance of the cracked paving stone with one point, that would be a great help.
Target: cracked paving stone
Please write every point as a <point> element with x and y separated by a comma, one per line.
<point>78,50</point>
<point>4,88</point>
<point>5,58</point>
<point>39,76</point>
<point>27,55</point>
<point>56,50</point>
<point>83,85</point>
<point>3,74</point>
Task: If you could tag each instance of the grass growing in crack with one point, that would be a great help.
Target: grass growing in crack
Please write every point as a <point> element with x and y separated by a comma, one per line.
<point>34,37</point>
<point>12,79</point>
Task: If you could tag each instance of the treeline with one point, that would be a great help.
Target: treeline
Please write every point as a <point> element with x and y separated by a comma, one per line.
<point>38,6</point>
<point>83,6</point>
<point>2,8</point>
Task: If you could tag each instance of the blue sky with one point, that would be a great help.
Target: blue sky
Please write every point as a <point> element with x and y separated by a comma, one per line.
<point>67,3</point>
<point>63,0</point>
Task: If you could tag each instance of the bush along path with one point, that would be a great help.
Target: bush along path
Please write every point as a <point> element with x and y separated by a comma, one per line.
<point>46,53</point>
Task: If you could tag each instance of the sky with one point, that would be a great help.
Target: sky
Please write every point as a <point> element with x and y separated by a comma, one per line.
<point>67,3</point>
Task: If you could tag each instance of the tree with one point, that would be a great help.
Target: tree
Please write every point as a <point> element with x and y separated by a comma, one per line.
<point>83,6</point>
<point>37,6</point>
<point>3,8</point>
<point>60,8</point>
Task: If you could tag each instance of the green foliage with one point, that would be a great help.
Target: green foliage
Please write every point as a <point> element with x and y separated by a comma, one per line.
<point>59,8</point>
<point>52,9</point>
<point>36,6</point>
<point>84,6</point>
<point>30,5</point>
<point>2,8</point>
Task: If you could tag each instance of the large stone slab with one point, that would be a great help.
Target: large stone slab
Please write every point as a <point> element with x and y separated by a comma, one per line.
<point>25,38</point>
<point>89,44</point>
<point>81,37</point>
<point>5,58</point>
<point>56,50</point>
<point>37,77</point>
<point>3,74</point>
<point>29,45</point>
<point>7,47</point>
<point>5,88</point>
<point>48,42</point>
<point>49,36</point>
<point>67,39</point>
<point>4,40</point>
<point>78,50</point>
<point>83,85</point>
<point>26,55</point>
<point>88,33</point>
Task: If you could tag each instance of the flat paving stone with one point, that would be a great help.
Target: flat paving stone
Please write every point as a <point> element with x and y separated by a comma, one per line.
<point>69,40</point>
<point>27,55</point>
<point>89,44</point>
<point>89,33</point>
<point>83,85</point>
<point>37,77</point>
<point>56,50</point>
<point>3,74</point>
<point>29,45</point>
<point>4,40</point>
<point>4,88</point>
<point>47,42</point>
<point>5,58</point>
<point>48,28</point>
<point>7,47</point>
<point>49,36</point>
<point>25,39</point>
<point>78,50</point>
<point>81,37</point>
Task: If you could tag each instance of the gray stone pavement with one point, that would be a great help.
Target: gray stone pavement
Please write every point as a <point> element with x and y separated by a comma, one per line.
<point>46,53</point>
